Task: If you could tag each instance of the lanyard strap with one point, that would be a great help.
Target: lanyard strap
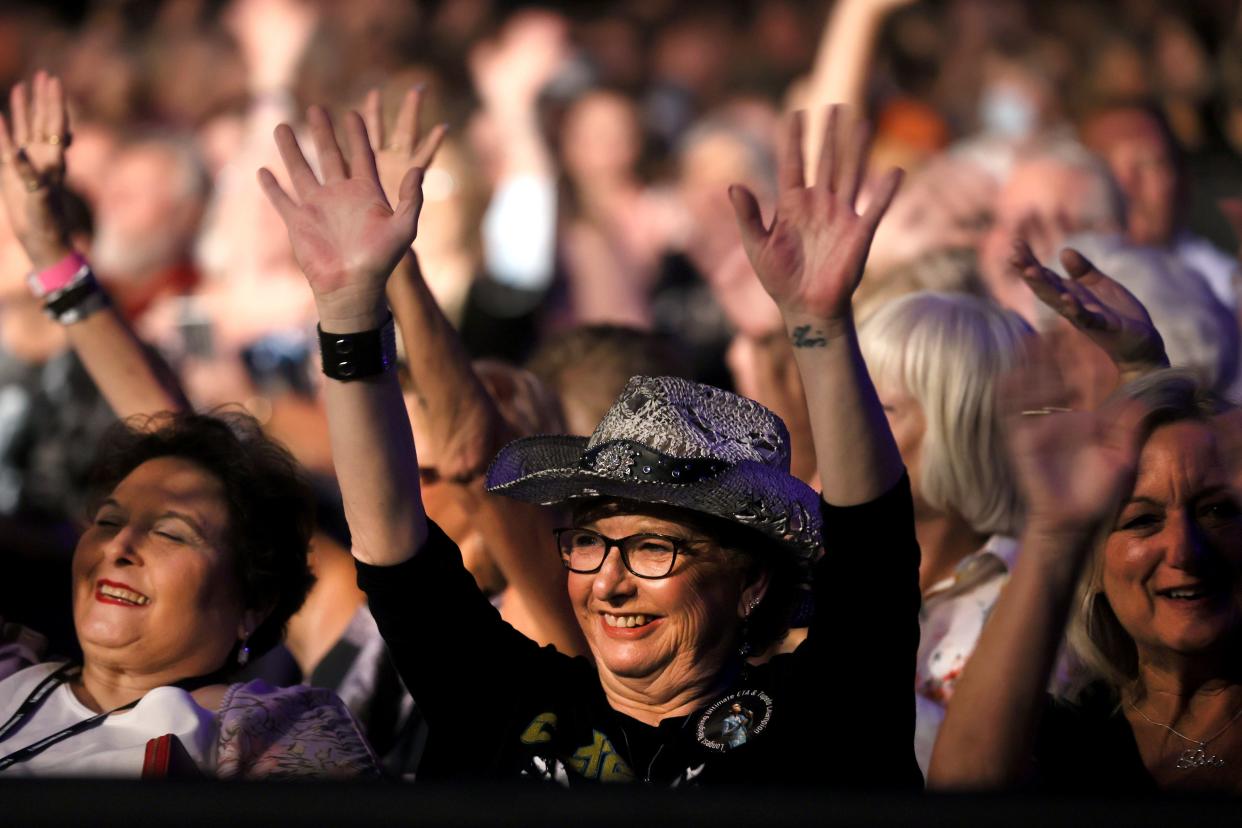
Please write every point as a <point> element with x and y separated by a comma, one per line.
<point>35,700</point>
<point>32,703</point>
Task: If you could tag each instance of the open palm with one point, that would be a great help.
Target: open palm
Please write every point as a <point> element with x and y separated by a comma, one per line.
<point>1071,466</point>
<point>811,258</point>
<point>32,165</point>
<point>398,149</point>
<point>346,236</point>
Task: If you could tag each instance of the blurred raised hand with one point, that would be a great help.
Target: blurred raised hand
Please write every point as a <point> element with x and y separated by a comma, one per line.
<point>399,149</point>
<point>511,70</point>
<point>32,167</point>
<point>272,36</point>
<point>346,236</point>
<point>1098,306</point>
<point>810,258</point>
<point>1071,466</point>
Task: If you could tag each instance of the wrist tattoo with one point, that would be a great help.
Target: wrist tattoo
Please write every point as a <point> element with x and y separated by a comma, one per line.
<point>802,338</point>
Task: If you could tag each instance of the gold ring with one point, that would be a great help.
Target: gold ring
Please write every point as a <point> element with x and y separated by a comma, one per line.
<point>58,140</point>
<point>1047,409</point>
<point>32,184</point>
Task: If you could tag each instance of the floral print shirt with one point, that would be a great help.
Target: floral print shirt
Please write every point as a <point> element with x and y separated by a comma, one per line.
<point>953,613</point>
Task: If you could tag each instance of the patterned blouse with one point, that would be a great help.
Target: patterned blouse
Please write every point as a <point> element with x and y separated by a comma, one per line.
<point>953,613</point>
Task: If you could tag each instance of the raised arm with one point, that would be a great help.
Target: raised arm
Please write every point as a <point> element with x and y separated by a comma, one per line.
<point>451,408</point>
<point>32,168</point>
<point>810,260</point>
<point>454,413</point>
<point>347,239</point>
<point>1072,468</point>
<point>843,61</point>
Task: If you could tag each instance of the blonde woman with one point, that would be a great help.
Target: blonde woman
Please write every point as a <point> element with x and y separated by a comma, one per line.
<point>936,359</point>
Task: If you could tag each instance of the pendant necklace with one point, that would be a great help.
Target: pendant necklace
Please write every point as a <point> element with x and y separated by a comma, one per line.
<point>1196,757</point>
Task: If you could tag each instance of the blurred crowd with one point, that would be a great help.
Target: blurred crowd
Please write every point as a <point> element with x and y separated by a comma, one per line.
<point>577,220</point>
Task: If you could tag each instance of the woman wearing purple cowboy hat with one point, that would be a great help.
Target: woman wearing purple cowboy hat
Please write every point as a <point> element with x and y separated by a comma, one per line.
<point>688,540</point>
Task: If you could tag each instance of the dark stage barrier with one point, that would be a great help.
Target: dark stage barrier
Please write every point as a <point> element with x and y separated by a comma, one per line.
<point>95,803</point>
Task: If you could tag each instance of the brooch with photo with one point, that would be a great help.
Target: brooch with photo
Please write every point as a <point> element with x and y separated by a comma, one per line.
<point>734,720</point>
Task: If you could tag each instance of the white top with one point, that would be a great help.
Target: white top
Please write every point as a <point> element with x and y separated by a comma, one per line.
<point>950,621</point>
<point>115,748</point>
<point>1215,266</point>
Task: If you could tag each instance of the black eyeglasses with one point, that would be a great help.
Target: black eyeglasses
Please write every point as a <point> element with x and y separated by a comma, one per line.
<point>646,555</point>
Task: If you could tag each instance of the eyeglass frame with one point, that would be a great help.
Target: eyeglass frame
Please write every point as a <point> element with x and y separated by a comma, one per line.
<point>679,546</point>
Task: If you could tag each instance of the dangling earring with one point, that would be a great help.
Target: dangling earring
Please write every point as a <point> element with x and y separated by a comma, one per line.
<point>243,653</point>
<point>744,649</point>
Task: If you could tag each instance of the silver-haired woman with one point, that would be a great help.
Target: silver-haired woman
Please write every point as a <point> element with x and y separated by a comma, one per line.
<point>937,360</point>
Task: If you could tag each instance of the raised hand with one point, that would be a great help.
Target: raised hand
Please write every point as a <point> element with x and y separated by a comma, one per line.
<point>32,167</point>
<point>810,259</point>
<point>272,36</point>
<point>510,71</point>
<point>1072,466</point>
<point>1098,306</point>
<point>395,153</point>
<point>346,236</point>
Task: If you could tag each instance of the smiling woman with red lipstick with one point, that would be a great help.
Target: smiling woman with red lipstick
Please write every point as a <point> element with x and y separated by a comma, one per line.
<point>194,558</point>
<point>1140,498</point>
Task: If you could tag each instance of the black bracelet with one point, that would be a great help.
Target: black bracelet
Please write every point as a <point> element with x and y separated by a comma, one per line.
<point>358,355</point>
<point>76,301</point>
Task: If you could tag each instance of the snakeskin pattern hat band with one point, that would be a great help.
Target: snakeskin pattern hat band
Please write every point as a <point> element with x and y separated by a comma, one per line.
<point>671,441</point>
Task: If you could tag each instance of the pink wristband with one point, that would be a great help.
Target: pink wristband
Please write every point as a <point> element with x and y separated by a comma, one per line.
<point>56,277</point>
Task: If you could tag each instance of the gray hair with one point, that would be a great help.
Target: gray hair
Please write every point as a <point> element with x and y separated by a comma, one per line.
<point>949,351</point>
<point>1105,206</point>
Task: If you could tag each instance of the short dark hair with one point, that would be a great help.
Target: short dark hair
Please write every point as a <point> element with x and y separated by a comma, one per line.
<point>771,619</point>
<point>270,503</point>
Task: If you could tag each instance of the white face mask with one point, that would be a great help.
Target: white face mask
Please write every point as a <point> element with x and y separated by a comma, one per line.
<point>1005,110</point>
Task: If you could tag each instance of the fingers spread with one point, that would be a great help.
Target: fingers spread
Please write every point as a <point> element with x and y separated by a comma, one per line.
<point>1090,313</point>
<point>405,131</point>
<point>411,195</point>
<point>58,114</point>
<point>276,194</point>
<point>826,168</point>
<point>38,107</point>
<point>854,164</point>
<point>1046,285</point>
<point>17,110</point>
<point>1077,265</point>
<point>882,197</point>
<point>331,161</point>
<point>1023,256</point>
<point>300,173</point>
<point>749,218</point>
<point>792,174</point>
<point>7,147</point>
<point>426,151</point>
<point>373,112</point>
<point>361,158</point>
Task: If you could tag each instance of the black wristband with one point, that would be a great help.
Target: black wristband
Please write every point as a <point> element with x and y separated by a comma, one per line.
<point>358,355</point>
<point>76,301</point>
